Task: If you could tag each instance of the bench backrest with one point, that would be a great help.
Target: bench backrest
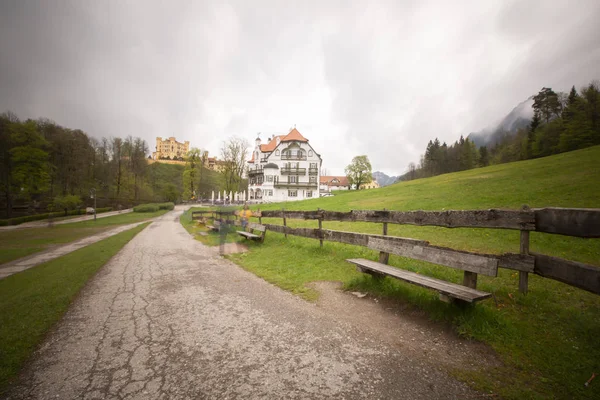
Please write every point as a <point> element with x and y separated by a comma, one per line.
<point>257,227</point>
<point>420,250</point>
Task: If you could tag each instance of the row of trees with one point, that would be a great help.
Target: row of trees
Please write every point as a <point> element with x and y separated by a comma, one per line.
<point>561,122</point>
<point>43,163</point>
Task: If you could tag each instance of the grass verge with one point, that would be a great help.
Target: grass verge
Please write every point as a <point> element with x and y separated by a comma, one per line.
<point>19,243</point>
<point>32,301</point>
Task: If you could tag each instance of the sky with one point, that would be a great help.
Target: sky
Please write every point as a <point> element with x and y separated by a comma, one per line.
<point>379,78</point>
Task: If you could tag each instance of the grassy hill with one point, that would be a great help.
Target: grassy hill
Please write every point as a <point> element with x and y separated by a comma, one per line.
<point>546,339</point>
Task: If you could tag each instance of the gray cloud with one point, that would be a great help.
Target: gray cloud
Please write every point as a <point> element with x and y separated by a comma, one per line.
<point>378,79</point>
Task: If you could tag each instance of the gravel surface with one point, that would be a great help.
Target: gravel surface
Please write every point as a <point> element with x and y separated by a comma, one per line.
<point>168,318</point>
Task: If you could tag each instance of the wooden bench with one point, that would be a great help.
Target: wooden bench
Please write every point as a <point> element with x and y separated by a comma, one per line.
<point>254,227</point>
<point>215,226</point>
<point>471,264</point>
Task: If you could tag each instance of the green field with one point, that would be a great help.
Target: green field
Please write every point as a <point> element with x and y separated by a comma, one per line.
<point>547,339</point>
<point>35,299</point>
<point>17,243</point>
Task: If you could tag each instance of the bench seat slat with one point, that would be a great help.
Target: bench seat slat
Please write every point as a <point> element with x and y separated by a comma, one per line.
<point>450,289</point>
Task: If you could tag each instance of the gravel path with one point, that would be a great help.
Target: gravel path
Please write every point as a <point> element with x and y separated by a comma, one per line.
<point>21,264</point>
<point>167,318</point>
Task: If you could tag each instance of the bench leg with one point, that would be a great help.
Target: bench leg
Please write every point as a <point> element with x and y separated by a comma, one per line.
<point>470,280</point>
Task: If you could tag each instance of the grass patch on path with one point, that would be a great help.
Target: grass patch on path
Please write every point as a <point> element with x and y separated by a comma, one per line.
<point>32,301</point>
<point>547,339</point>
<point>18,243</point>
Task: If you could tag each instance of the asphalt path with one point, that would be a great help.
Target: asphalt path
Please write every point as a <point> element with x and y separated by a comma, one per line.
<point>168,318</point>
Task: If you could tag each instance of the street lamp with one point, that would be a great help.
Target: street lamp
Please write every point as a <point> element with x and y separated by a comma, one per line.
<point>93,196</point>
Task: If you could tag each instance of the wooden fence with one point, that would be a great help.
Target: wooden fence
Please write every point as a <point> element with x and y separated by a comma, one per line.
<point>583,223</point>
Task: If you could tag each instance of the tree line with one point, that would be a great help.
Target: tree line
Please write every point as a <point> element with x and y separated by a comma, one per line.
<point>561,122</point>
<point>45,165</point>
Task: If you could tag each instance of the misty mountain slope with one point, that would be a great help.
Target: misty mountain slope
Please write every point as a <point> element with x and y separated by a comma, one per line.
<point>383,179</point>
<point>519,117</point>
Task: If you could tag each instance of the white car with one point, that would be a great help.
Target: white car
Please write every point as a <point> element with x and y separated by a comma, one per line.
<point>89,210</point>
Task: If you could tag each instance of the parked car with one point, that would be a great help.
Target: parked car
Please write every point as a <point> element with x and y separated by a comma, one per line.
<point>89,210</point>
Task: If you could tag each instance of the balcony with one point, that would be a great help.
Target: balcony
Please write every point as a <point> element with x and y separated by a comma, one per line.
<point>255,171</point>
<point>293,156</point>
<point>313,171</point>
<point>293,171</point>
<point>295,184</point>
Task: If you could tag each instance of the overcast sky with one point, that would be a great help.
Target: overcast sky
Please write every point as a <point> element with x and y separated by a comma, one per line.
<point>379,78</point>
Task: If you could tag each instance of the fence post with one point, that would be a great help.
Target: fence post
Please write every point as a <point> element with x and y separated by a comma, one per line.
<point>523,275</point>
<point>284,220</point>
<point>384,257</point>
<point>320,228</point>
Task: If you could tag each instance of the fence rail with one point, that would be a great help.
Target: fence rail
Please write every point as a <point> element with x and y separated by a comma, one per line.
<point>584,223</point>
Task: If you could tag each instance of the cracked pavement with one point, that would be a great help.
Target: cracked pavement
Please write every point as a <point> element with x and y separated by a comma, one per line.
<point>168,318</point>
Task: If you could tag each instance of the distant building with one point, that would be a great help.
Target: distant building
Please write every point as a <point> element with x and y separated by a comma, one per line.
<point>284,169</point>
<point>170,149</point>
<point>372,185</point>
<point>329,183</point>
<point>214,165</point>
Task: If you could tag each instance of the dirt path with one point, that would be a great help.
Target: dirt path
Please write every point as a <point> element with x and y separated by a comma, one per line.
<point>167,318</point>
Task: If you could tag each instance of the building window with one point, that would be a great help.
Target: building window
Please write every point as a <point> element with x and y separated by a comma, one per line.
<point>292,193</point>
<point>310,153</point>
<point>309,193</point>
<point>270,193</point>
<point>269,178</point>
<point>277,152</point>
<point>313,165</point>
<point>293,179</point>
<point>313,179</point>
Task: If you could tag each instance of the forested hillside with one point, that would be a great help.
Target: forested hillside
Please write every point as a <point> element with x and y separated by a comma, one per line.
<point>561,122</point>
<point>43,164</point>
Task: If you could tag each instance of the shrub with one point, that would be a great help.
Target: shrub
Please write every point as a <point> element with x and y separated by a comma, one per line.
<point>152,207</point>
<point>69,202</point>
<point>166,206</point>
<point>146,208</point>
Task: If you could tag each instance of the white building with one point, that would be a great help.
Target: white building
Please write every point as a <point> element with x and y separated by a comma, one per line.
<point>284,169</point>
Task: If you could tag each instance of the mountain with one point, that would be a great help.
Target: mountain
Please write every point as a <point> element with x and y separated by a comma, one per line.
<point>519,117</point>
<point>383,179</point>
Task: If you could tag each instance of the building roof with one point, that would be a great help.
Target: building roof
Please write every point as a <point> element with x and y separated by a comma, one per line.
<point>294,135</point>
<point>269,147</point>
<point>334,180</point>
<point>271,165</point>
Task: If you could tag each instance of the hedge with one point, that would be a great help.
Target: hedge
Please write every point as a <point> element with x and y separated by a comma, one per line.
<point>153,207</point>
<point>38,217</point>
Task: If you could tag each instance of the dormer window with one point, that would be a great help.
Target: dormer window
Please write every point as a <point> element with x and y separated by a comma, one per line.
<point>277,152</point>
<point>310,153</point>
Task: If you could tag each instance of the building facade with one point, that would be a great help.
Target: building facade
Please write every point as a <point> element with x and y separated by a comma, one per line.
<point>284,169</point>
<point>170,148</point>
<point>372,185</point>
<point>329,183</point>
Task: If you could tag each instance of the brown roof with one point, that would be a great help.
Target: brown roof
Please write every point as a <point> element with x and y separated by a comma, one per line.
<point>294,135</point>
<point>341,180</point>
<point>269,147</point>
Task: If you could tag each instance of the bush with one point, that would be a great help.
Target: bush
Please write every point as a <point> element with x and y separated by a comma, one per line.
<point>69,202</point>
<point>153,207</point>
<point>166,206</point>
<point>146,208</point>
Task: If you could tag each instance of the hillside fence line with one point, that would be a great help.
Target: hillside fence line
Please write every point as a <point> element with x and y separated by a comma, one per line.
<point>575,222</point>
